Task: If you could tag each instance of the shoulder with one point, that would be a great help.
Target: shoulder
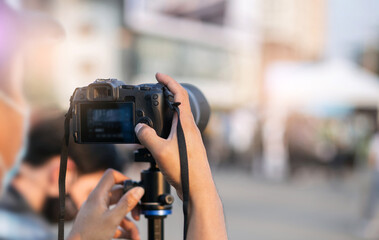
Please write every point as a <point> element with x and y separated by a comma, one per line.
<point>18,226</point>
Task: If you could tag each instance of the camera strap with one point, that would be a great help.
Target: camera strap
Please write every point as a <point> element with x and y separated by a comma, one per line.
<point>62,173</point>
<point>183,157</point>
<point>184,174</point>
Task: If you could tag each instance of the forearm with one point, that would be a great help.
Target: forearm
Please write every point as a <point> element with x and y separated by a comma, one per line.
<point>206,217</point>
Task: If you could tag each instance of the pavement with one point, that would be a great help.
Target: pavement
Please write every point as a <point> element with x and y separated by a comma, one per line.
<point>310,206</point>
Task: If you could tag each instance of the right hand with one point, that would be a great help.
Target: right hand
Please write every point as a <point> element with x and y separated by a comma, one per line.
<point>205,216</point>
<point>166,152</point>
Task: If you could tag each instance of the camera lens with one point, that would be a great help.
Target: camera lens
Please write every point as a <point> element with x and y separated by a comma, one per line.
<point>199,106</point>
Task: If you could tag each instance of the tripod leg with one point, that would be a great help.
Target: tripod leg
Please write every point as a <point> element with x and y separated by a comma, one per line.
<point>155,228</point>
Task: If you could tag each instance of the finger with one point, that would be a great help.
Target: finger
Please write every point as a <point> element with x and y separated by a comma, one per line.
<point>115,194</point>
<point>148,137</point>
<point>168,81</point>
<point>136,212</point>
<point>121,233</point>
<point>173,127</point>
<point>180,94</point>
<point>110,178</point>
<point>128,201</point>
<point>130,228</point>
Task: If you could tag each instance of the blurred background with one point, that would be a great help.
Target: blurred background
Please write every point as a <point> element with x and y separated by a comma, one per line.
<point>293,86</point>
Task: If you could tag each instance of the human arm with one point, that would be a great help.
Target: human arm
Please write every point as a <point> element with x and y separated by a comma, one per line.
<point>206,218</point>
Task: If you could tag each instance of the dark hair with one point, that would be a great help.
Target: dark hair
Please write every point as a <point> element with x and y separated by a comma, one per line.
<point>45,141</point>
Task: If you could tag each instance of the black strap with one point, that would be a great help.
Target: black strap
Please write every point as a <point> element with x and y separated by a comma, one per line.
<point>183,168</point>
<point>62,173</point>
<point>184,173</point>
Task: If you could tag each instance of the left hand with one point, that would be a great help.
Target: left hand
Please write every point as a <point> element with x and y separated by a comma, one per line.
<point>96,221</point>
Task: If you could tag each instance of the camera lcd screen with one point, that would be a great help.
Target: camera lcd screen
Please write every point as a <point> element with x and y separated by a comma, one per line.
<point>108,122</point>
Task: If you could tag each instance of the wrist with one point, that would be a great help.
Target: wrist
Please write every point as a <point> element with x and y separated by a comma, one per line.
<point>206,217</point>
<point>203,194</point>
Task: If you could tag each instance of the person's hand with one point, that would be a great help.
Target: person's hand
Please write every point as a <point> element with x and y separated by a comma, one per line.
<point>96,221</point>
<point>165,151</point>
<point>205,217</point>
<point>83,186</point>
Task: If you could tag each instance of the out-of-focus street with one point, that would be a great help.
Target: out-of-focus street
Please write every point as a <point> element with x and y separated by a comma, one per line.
<point>305,208</point>
<point>308,207</point>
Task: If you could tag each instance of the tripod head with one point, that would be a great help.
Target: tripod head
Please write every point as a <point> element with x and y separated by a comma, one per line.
<point>157,202</point>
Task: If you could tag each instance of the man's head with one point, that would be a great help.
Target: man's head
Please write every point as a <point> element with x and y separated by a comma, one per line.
<point>86,162</point>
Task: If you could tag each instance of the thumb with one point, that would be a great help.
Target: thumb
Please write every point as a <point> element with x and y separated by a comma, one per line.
<point>148,137</point>
<point>127,203</point>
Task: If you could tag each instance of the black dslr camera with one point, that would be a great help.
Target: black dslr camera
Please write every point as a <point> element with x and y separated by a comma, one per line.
<point>107,110</point>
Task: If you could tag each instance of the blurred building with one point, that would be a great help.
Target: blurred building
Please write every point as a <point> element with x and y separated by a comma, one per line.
<point>224,46</point>
<point>209,43</point>
<point>293,30</point>
<point>92,48</point>
<point>221,46</point>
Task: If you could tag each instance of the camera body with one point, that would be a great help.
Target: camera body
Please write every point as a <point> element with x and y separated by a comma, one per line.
<point>107,111</point>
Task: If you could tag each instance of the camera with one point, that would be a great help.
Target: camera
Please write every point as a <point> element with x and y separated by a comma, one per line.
<point>107,110</point>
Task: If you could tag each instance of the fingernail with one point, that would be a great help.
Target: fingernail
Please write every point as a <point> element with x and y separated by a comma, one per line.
<point>138,192</point>
<point>138,127</point>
